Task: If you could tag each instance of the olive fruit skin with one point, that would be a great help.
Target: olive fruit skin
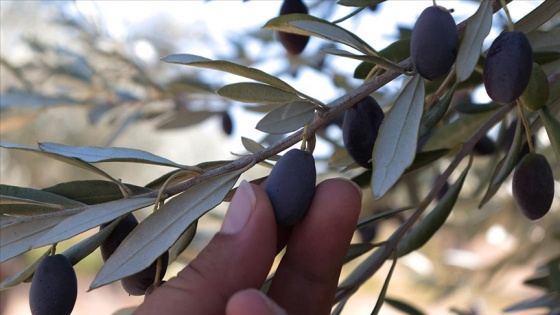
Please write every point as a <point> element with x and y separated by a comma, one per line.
<point>138,283</point>
<point>291,186</point>
<point>54,287</point>
<point>507,67</point>
<point>484,146</point>
<point>293,43</point>
<point>536,94</point>
<point>533,186</point>
<point>227,123</point>
<point>434,43</point>
<point>360,128</point>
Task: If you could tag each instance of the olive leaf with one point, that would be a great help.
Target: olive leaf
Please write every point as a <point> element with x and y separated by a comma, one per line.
<point>90,217</point>
<point>92,192</point>
<point>552,126</point>
<point>308,25</point>
<point>230,67</point>
<point>35,196</point>
<point>459,130</point>
<point>476,31</point>
<point>182,242</point>
<point>18,236</point>
<point>358,3</point>
<point>249,92</point>
<point>24,274</point>
<point>100,154</point>
<point>425,229</point>
<point>395,147</point>
<point>436,113</point>
<point>380,60</point>
<point>403,306</point>
<point>62,158</point>
<point>287,118</point>
<point>159,231</point>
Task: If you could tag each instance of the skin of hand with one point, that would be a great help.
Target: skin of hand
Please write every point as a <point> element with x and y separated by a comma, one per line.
<point>226,275</point>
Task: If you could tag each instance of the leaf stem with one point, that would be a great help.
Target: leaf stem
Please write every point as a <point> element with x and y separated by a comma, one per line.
<point>511,27</point>
<point>525,125</point>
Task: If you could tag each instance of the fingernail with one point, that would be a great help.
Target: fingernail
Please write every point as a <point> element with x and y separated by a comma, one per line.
<point>240,209</point>
<point>272,307</point>
<point>358,188</point>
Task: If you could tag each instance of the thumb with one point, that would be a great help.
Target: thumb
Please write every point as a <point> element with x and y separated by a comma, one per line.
<point>237,258</point>
<point>252,302</point>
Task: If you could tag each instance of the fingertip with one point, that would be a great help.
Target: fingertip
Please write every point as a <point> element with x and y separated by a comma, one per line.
<point>252,302</point>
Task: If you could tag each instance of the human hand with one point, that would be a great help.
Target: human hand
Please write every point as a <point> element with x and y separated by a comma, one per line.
<point>226,275</point>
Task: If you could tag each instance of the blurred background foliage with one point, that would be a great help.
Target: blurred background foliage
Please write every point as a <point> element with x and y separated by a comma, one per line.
<point>65,78</point>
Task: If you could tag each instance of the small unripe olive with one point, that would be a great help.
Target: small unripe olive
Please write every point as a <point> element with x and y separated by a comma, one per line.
<point>535,95</point>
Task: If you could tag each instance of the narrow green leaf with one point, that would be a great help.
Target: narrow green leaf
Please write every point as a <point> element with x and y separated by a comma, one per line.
<point>538,17</point>
<point>403,306</point>
<point>159,231</point>
<point>61,158</point>
<point>473,108</point>
<point>380,60</point>
<point>42,197</point>
<point>308,25</point>
<point>85,247</point>
<point>382,215</point>
<point>251,145</point>
<point>18,236</point>
<point>356,250</point>
<point>182,242</point>
<point>249,92</point>
<point>511,159</point>
<point>358,3</point>
<point>478,28</point>
<point>287,118</point>
<point>425,229</point>
<point>91,217</point>
<point>92,192</point>
<point>395,52</point>
<point>100,154</point>
<point>381,297</point>
<point>436,113</point>
<point>230,67</point>
<point>332,32</point>
<point>426,158</point>
<point>24,274</point>
<point>158,182</point>
<point>552,126</point>
<point>395,147</point>
<point>457,131</point>
<point>26,208</point>
<point>184,118</point>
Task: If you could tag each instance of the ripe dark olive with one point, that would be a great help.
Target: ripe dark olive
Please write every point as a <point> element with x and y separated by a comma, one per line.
<point>484,146</point>
<point>54,287</point>
<point>533,186</point>
<point>360,128</point>
<point>293,43</point>
<point>227,123</point>
<point>434,42</point>
<point>291,186</point>
<point>507,67</point>
<point>138,283</point>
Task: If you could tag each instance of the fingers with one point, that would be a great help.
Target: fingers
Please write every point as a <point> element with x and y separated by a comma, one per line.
<point>238,257</point>
<point>252,302</point>
<point>306,279</point>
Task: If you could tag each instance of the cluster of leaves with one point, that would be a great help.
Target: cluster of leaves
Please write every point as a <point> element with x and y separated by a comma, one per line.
<point>423,113</point>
